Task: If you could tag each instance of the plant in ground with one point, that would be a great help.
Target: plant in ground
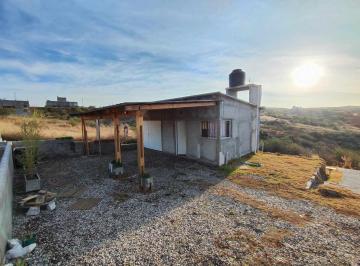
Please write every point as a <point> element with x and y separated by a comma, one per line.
<point>30,133</point>
<point>348,157</point>
<point>145,175</point>
<point>117,163</point>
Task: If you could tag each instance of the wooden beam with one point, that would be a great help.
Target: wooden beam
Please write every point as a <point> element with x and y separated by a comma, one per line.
<point>140,142</point>
<point>160,106</point>
<point>96,116</point>
<point>117,138</point>
<point>106,116</point>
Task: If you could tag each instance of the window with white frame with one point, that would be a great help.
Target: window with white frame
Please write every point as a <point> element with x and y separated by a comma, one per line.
<point>208,129</point>
<point>226,128</point>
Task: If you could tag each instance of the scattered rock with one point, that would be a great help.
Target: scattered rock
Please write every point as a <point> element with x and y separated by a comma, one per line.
<point>33,211</point>
<point>51,205</point>
<point>327,192</point>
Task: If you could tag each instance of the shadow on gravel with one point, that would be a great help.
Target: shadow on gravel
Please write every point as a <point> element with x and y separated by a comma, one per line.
<point>66,233</point>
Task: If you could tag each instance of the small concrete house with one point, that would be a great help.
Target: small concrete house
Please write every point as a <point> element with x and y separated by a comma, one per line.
<point>213,127</point>
<point>215,134</point>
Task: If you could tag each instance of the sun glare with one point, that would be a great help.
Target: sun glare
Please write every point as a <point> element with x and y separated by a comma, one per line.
<point>307,75</point>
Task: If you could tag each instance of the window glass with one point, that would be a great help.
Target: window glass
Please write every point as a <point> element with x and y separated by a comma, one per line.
<point>208,129</point>
<point>226,128</point>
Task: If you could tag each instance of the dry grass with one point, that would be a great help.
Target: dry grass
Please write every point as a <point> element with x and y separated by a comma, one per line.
<point>274,237</point>
<point>335,176</point>
<point>247,249</point>
<point>273,212</point>
<point>54,128</point>
<point>286,176</point>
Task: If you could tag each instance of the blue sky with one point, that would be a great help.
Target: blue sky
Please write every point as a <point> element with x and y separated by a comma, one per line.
<point>105,52</point>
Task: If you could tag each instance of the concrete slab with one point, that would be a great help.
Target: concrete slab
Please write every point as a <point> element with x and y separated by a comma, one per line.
<point>351,179</point>
<point>71,192</point>
<point>85,204</point>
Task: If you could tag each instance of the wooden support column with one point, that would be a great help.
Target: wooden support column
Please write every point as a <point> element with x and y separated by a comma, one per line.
<point>98,137</point>
<point>140,142</point>
<point>117,138</point>
<point>85,137</point>
<point>82,131</point>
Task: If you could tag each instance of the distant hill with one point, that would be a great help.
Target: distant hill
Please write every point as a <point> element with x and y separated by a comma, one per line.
<point>332,132</point>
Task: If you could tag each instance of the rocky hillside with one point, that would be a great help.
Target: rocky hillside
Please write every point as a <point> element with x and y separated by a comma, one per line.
<point>333,133</point>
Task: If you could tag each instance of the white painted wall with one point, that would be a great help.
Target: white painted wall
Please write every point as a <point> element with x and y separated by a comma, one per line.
<point>152,135</point>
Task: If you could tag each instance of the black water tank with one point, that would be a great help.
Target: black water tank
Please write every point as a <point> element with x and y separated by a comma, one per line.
<point>236,78</point>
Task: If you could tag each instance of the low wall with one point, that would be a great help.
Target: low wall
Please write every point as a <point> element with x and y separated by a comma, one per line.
<point>50,149</point>
<point>6,196</point>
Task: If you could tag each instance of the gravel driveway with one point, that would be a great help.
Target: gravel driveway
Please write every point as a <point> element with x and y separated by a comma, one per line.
<point>185,221</point>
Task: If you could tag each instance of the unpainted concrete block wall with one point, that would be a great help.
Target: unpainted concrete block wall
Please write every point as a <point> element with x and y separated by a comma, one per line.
<point>196,146</point>
<point>243,117</point>
<point>6,197</point>
<point>244,137</point>
<point>51,149</point>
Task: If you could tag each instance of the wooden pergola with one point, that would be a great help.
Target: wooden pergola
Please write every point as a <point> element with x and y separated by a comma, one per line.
<point>116,112</point>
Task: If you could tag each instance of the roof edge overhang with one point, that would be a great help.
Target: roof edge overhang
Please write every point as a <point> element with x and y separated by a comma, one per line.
<point>129,108</point>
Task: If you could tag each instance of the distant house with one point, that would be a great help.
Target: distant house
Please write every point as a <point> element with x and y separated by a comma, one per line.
<point>61,102</point>
<point>20,107</point>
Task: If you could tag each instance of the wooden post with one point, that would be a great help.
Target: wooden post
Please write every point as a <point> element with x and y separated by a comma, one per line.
<point>83,135</point>
<point>86,141</point>
<point>82,129</point>
<point>140,142</point>
<point>117,138</point>
<point>98,134</point>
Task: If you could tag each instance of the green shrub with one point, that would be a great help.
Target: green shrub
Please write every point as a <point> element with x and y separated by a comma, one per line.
<point>227,169</point>
<point>91,123</point>
<point>145,175</point>
<point>354,155</point>
<point>285,146</point>
<point>73,121</point>
<point>30,132</point>
<point>117,163</point>
<point>6,111</point>
<point>130,141</point>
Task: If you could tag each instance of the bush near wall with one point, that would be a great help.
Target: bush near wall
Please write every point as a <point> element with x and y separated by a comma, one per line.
<point>7,111</point>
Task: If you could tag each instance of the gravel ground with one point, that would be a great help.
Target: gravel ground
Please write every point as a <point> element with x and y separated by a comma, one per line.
<point>183,222</point>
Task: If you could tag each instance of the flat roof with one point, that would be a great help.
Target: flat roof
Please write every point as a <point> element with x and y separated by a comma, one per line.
<point>198,100</point>
<point>210,96</point>
<point>143,106</point>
